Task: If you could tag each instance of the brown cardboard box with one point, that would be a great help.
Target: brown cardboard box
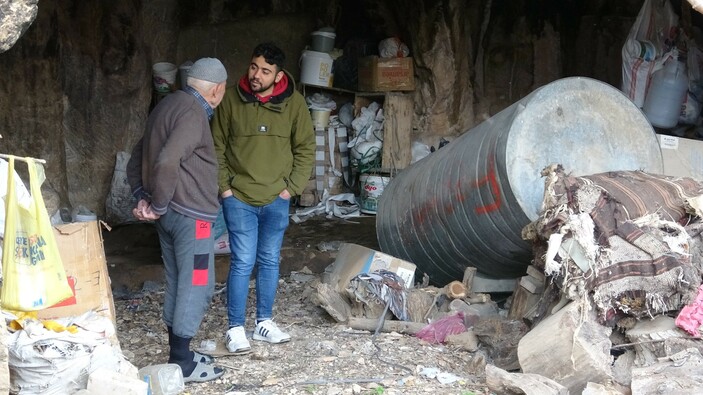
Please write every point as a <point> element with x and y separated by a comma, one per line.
<point>682,157</point>
<point>83,255</point>
<point>353,259</point>
<point>386,74</point>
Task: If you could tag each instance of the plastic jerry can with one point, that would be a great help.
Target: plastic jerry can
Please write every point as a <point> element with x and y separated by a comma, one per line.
<point>666,94</point>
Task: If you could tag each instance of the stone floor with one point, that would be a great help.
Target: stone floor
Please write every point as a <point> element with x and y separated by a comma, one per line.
<point>133,254</point>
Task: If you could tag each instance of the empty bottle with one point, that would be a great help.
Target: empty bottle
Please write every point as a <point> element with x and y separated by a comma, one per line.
<point>163,379</point>
<point>666,94</point>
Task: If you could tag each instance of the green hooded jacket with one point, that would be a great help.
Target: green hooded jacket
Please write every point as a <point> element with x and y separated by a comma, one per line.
<point>263,148</point>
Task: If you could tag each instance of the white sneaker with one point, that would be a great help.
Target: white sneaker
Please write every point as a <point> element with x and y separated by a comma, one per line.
<point>236,340</point>
<point>268,331</point>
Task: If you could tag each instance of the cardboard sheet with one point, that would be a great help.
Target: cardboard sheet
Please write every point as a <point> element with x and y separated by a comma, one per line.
<point>83,256</point>
<point>682,157</point>
<point>353,259</point>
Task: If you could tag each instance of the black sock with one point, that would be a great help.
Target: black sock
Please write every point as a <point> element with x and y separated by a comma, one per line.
<point>181,354</point>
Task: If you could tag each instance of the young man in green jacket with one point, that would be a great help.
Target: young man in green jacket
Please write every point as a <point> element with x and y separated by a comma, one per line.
<point>265,147</point>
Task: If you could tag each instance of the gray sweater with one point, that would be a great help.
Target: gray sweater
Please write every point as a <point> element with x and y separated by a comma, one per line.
<point>174,164</point>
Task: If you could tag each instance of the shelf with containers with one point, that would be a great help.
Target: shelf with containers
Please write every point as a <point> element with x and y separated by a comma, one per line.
<point>365,182</point>
<point>388,82</point>
<point>397,126</point>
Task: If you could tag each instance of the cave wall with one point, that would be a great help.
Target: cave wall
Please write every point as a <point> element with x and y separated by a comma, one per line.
<point>76,87</point>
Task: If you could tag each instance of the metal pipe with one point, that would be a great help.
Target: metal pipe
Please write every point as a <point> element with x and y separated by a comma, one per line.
<point>466,204</point>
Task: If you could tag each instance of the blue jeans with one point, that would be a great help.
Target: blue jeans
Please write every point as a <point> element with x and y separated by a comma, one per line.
<point>255,237</point>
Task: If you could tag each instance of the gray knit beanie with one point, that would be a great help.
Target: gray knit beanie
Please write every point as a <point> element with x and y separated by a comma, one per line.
<point>208,69</point>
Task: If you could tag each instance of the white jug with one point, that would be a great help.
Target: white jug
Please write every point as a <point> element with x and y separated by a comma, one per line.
<point>666,94</point>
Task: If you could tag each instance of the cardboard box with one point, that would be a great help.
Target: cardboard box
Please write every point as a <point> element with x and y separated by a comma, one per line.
<point>83,255</point>
<point>682,157</point>
<point>353,259</point>
<point>386,74</point>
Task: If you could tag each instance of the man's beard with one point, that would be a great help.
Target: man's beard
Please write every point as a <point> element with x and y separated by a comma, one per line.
<point>263,88</point>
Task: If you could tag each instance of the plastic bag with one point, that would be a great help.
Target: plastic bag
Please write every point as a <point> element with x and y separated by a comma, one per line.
<point>651,36</point>
<point>392,47</point>
<point>45,362</point>
<point>438,331</point>
<point>691,107</point>
<point>33,274</point>
<point>120,202</point>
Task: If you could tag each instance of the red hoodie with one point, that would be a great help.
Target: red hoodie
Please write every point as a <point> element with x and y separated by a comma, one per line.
<point>278,88</point>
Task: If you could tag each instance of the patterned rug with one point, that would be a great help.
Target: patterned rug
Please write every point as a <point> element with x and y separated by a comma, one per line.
<point>621,238</point>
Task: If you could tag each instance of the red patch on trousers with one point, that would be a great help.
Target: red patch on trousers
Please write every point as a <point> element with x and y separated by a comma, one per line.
<point>202,229</point>
<point>200,272</point>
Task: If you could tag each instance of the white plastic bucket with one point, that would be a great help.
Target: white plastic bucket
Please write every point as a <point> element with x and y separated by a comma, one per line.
<point>164,76</point>
<point>320,118</point>
<point>316,68</point>
<point>372,187</point>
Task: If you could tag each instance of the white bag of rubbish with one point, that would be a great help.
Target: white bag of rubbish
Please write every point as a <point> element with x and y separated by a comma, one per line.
<point>392,47</point>
<point>46,362</point>
<point>222,245</point>
<point>419,151</point>
<point>367,143</point>
<point>649,39</point>
<point>320,101</point>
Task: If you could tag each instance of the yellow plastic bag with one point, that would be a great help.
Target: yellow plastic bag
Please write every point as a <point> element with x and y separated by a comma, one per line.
<point>33,274</point>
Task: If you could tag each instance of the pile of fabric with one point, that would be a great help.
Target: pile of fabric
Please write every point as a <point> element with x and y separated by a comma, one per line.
<point>628,240</point>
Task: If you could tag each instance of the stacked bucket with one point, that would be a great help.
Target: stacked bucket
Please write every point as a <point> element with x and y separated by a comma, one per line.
<point>316,62</point>
<point>165,74</point>
<point>316,69</point>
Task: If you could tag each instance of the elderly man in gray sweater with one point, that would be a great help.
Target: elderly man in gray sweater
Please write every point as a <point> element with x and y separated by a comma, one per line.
<point>173,175</point>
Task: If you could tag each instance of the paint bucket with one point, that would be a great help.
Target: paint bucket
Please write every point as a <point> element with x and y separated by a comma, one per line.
<point>320,118</point>
<point>466,204</point>
<point>371,187</point>
<point>316,68</point>
<point>322,41</point>
<point>164,76</point>
<point>183,70</point>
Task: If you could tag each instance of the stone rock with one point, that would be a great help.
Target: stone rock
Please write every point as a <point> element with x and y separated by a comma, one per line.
<point>649,337</point>
<point>622,368</point>
<point>678,374</point>
<point>600,389</point>
<point>465,341</point>
<point>16,17</point>
<point>501,382</point>
<point>501,337</point>
<point>578,350</point>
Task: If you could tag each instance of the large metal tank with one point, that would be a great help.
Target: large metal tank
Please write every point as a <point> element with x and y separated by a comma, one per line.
<point>466,204</point>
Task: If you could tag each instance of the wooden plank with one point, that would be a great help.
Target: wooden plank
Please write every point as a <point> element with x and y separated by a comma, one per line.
<point>329,299</point>
<point>367,324</point>
<point>523,302</point>
<point>398,111</point>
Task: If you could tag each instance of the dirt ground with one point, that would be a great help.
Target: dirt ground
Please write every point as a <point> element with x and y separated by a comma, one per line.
<point>324,357</point>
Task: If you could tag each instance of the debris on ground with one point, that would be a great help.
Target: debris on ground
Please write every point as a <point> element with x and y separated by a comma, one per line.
<point>323,357</point>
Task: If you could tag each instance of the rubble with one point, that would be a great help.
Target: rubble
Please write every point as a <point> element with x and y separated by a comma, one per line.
<point>323,357</point>
<point>617,255</point>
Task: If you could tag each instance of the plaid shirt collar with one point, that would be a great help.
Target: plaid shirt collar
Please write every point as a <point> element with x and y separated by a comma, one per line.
<point>208,110</point>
